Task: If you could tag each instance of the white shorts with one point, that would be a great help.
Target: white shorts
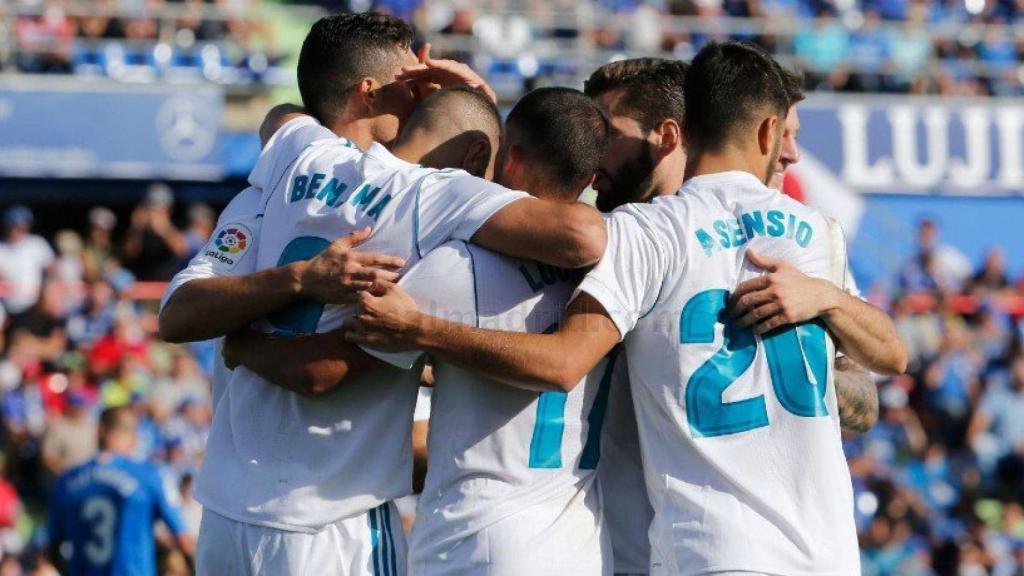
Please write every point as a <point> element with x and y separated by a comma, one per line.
<point>369,544</point>
<point>546,539</point>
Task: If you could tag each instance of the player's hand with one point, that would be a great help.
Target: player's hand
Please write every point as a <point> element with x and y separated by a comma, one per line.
<point>388,319</point>
<point>339,273</point>
<point>782,296</point>
<point>431,74</point>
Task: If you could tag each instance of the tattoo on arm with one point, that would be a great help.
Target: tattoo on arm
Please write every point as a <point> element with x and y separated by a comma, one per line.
<point>857,396</point>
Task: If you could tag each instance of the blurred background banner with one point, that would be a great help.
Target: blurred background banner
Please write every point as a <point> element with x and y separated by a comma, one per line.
<point>881,164</point>
<point>918,145</point>
<point>78,130</point>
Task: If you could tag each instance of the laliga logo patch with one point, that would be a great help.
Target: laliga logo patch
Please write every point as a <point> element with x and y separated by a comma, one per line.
<point>230,244</point>
<point>232,240</point>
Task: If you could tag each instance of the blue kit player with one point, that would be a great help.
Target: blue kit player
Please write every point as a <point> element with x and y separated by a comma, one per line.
<point>105,509</point>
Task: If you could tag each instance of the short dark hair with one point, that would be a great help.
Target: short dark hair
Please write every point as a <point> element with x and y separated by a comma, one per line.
<point>794,84</point>
<point>561,131</point>
<point>342,49</point>
<point>728,87</point>
<point>445,107</point>
<point>116,420</point>
<point>652,88</point>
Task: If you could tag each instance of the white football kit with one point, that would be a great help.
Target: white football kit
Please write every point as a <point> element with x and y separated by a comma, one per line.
<point>740,434</point>
<point>627,509</point>
<point>283,461</point>
<point>511,484</point>
<point>229,252</point>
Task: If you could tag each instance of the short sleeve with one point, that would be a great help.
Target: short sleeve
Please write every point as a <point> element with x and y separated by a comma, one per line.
<point>231,250</point>
<point>453,205</point>
<point>284,146</point>
<point>443,285</point>
<point>628,278</point>
<point>168,502</point>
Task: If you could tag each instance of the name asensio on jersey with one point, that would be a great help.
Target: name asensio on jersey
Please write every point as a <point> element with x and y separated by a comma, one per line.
<point>735,232</point>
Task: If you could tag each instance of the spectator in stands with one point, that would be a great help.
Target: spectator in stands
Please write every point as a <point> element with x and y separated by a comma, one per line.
<point>98,256</point>
<point>952,382</point>
<point>201,222</point>
<point>869,53</point>
<point>70,439</point>
<point>24,259</point>
<point>996,432</point>
<point>910,47</point>
<point>153,246</point>
<point>936,267</point>
<point>824,47</point>
<point>44,41</point>
<point>991,277</point>
<point>41,327</point>
<point>96,318</point>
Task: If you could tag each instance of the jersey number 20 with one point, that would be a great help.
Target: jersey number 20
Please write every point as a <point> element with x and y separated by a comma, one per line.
<point>797,361</point>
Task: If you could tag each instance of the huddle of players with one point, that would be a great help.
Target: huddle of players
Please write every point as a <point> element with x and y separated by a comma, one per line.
<point>311,435</point>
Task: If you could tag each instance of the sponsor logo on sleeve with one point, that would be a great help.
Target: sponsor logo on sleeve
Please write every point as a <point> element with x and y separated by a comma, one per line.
<point>229,245</point>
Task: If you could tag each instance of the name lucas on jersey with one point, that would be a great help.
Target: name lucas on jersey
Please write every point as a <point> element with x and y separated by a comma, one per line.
<point>332,194</point>
<point>735,232</point>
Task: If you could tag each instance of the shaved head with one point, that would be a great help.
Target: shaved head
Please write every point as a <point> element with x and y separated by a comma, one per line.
<point>445,124</point>
<point>452,111</point>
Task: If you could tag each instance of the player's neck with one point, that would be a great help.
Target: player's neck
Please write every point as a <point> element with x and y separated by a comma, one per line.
<point>668,178</point>
<point>729,159</point>
<point>357,131</point>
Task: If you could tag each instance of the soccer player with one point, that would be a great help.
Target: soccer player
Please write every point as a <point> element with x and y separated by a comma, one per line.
<point>738,426</point>
<point>645,159</point>
<point>106,508</point>
<point>511,473</point>
<point>357,77</point>
<point>789,291</point>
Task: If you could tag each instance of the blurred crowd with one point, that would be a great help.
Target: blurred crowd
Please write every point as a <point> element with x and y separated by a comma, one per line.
<point>939,481</point>
<point>949,47</point>
<point>76,340</point>
<point>139,40</point>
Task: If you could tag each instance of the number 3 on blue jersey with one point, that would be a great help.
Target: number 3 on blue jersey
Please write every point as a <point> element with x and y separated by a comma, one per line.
<point>790,353</point>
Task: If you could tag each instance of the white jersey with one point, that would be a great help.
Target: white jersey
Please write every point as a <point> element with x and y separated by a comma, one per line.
<point>511,483</point>
<point>286,461</point>
<point>229,252</point>
<point>740,434</point>
<point>627,509</point>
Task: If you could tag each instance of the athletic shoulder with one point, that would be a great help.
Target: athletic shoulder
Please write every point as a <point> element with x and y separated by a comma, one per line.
<point>245,204</point>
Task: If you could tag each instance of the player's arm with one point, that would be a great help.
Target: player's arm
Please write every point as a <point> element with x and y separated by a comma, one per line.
<point>556,233</point>
<point>857,395</point>
<point>216,305</point>
<point>390,320</point>
<point>168,509</point>
<point>787,296</point>
<point>310,365</point>
<point>627,279</point>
